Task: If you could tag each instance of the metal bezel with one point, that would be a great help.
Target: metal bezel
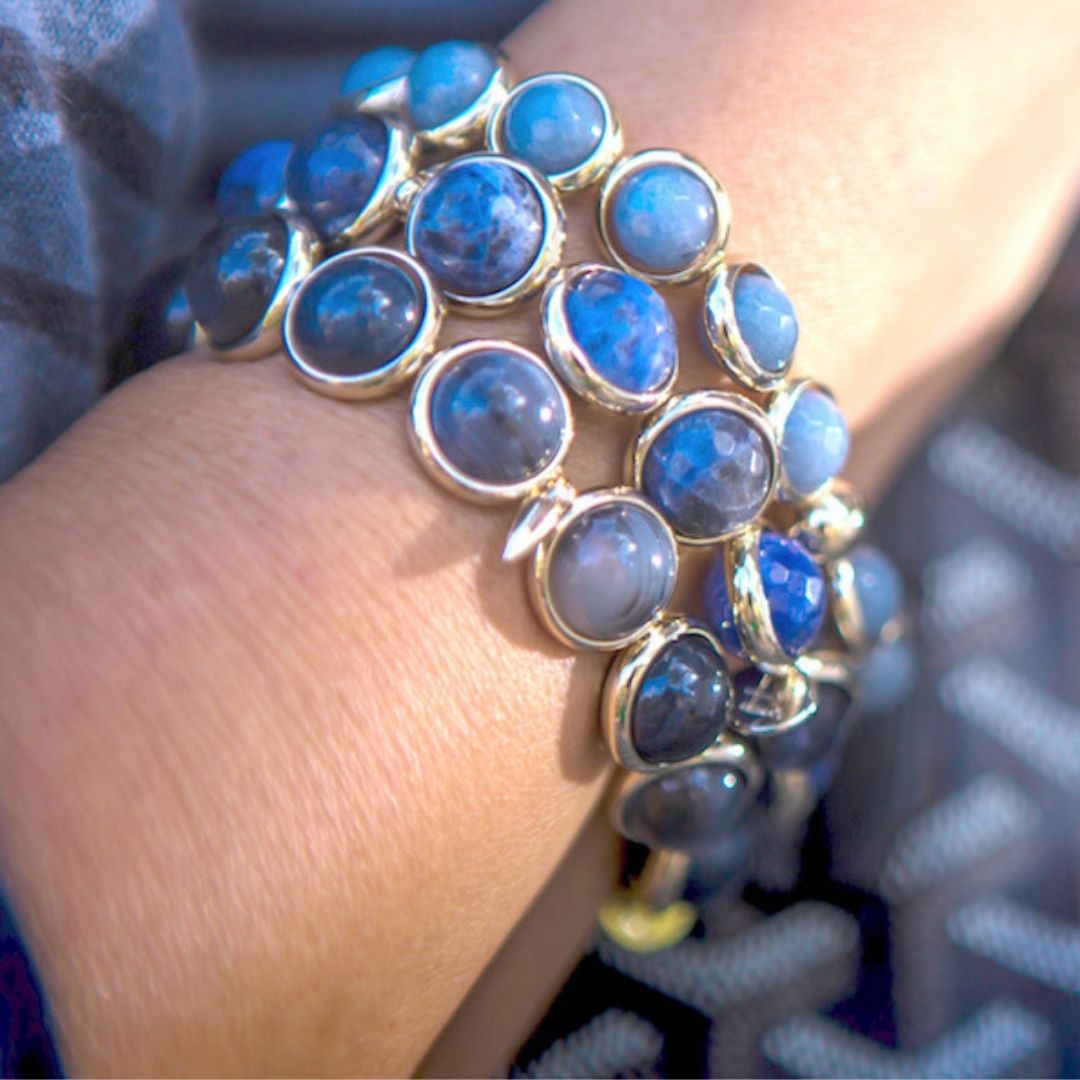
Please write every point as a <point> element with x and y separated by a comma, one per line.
<point>831,520</point>
<point>722,328</point>
<point>431,454</point>
<point>779,409</point>
<point>537,516</point>
<point>573,363</point>
<point>846,610</point>
<point>603,156</point>
<point>701,401</point>
<point>706,259</point>
<point>750,605</point>
<point>539,584</point>
<point>387,97</point>
<point>385,379</point>
<point>547,257</point>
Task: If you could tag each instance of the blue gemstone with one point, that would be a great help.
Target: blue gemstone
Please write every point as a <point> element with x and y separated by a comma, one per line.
<point>445,79</point>
<point>254,181</point>
<point>887,675</point>
<point>794,589</point>
<point>662,218</point>
<point>766,320</point>
<point>233,274</point>
<point>377,67</point>
<point>878,587</point>
<point>355,314</point>
<point>554,125</point>
<point>814,445</point>
<point>478,227</point>
<point>333,171</point>
<point>624,327</point>
<point>682,702</point>
<point>708,471</point>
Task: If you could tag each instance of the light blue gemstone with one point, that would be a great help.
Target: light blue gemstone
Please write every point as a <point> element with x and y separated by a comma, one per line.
<point>887,675</point>
<point>878,586</point>
<point>445,79</point>
<point>766,320</point>
<point>662,218</point>
<point>815,441</point>
<point>376,67</point>
<point>253,181</point>
<point>554,126</point>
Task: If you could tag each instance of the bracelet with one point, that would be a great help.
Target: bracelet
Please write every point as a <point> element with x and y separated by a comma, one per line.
<point>701,714</point>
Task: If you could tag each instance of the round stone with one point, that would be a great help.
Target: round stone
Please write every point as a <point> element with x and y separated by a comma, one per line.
<point>878,587</point>
<point>355,315</point>
<point>814,444</point>
<point>553,125</point>
<point>333,171</point>
<point>794,588</point>
<point>709,471</point>
<point>233,274</point>
<point>611,571</point>
<point>377,67</point>
<point>478,227</point>
<point>498,417</point>
<point>662,218</point>
<point>682,702</point>
<point>445,79</point>
<point>624,327</point>
<point>766,320</point>
<point>887,675</point>
<point>254,181</point>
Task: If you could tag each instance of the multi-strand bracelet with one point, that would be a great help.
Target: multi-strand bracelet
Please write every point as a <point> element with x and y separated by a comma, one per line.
<point>698,713</point>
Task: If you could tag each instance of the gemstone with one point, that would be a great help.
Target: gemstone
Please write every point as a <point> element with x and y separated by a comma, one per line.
<point>161,324</point>
<point>709,471</point>
<point>445,79</point>
<point>662,218</point>
<point>814,444</point>
<point>498,417</point>
<point>376,67</point>
<point>624,327</point>
<point>478,226</point>
<point>766,320</point>
<point>355,314</point>
<point>887,675</point>
<point>878,587</point>
<point>611,571</point>
<point>553,125</point>
<point>333,171</point>
<point>254,181</point>
<point>681,705</point>
<point>233,274</point>
<point>687,808</point>
<point>794,588</point>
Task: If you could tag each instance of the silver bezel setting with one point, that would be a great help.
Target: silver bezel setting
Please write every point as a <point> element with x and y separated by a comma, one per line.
<point>706,259</point>
<point>779,409</point>
<point>831,520</point>
<point>431,454</point>
<point>385,379</point>
<point>604,154</point>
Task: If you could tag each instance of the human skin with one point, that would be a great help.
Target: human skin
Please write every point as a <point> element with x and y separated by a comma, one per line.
<point>284,755</point>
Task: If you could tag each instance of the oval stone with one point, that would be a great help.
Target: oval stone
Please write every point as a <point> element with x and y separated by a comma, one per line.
<point>554,125</point>
<point>709,471</point>
<point>254,181</point>
<point>377,67</point>
<point>766,320</point>
<point>878,586</point>
<point>814,444</point>
<point>233,274</point>
<point>611,571</point>
<point>887,675</point>
<point>445,79</point>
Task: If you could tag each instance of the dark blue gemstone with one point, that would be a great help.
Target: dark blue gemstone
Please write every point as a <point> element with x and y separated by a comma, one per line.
<point>624,327</point>
<point>233,274</point>
<point>161,324</point>
<point>478,227</point>
<point>254,181</point>
<point>333,171</point>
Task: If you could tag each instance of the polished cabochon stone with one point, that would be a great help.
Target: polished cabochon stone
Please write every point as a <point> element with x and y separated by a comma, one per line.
<point>377,67</point>
<point>878,586</point>
<point>445,79</point>
<point>254,181</point>
<point>554,125</point>
<point>766,320</point>
<point>814,443</point>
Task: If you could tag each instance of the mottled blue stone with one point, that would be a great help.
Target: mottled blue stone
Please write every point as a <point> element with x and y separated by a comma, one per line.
<point>794,589</point>
<point>233,274</point>
<point>554,125</point>
<point>254,181</point>
<point>708,471</point>
<point>376,67</point>
<point>766,320</point>
<point>445,79</point>
<point>611,571</point>
<point>662,218</point>
<point>887,675</point>
<point>814,445</point>
<point>624,327</point>
<point>682,702</point>
<point>498,417</point>
<point>878,587</point>
<point>355,315</point>
<point>333,171</point>
<point>478,227</point>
